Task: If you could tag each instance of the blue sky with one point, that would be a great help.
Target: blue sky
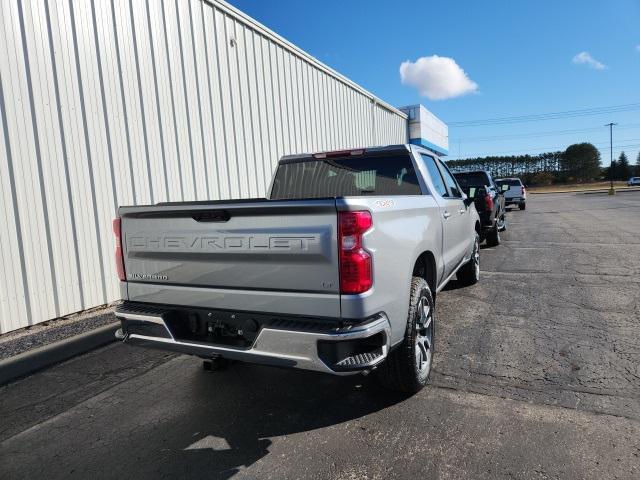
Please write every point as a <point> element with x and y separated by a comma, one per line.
<point>518,54</point>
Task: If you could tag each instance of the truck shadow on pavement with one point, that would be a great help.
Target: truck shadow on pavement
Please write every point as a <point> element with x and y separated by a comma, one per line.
<point>454,284</point>
<point>229,418</point>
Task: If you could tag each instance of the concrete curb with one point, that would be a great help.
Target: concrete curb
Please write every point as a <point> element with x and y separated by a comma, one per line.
<point>596,190</point>
<point>618,191</point>
<point>28,362</point>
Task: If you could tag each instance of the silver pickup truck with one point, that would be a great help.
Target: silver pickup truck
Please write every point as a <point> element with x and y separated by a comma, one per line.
<point>337,271</point>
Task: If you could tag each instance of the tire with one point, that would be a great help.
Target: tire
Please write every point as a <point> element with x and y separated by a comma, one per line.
<point>493,236</point>
<point>407,368</point>
<point>522,206</point>
<point>469,273</point>
<point>503,220</point>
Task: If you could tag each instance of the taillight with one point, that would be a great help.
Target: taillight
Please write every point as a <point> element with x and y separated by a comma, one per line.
<point>117,230</point>
<point>523,190</point>
<point>355,262</point>
<point>488,201</point>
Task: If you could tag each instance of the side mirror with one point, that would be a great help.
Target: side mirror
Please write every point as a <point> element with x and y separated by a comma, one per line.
<point>469,199</point>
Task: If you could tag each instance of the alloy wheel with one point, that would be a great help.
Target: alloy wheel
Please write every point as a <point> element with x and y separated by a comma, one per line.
<point>476,258</point>
<point>424,336</point>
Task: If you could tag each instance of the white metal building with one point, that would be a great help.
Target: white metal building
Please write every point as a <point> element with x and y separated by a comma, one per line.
<point>114,102</point>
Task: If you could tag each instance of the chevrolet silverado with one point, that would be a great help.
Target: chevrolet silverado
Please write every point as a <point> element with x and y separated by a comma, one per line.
<point>336,271</point>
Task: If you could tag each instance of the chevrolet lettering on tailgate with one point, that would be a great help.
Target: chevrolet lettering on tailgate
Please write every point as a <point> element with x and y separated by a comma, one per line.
<point>142,242</point>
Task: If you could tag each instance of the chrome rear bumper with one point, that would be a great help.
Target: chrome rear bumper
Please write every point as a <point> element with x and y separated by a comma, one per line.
<point>274,346</point>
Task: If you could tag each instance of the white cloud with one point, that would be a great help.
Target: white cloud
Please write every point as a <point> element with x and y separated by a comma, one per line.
<point>437,78</point>
<point>585,58</point>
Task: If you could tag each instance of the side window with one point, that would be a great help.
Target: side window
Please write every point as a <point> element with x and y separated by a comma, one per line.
<point>450,181</point>
<point>434,173</point>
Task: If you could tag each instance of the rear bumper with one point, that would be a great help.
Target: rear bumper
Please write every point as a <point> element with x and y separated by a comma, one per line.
<point>338,350</point>
<point>514,200</point>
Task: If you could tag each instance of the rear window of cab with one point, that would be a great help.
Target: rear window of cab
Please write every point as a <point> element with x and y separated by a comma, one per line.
<point>511,182</point>
<point>380,175</point>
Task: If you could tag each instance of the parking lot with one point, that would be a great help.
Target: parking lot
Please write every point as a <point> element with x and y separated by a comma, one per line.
<point>537,375</point>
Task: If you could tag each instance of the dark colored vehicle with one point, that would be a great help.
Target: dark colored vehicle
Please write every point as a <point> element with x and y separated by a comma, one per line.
<point>489,202</point>
<point>514,192</point>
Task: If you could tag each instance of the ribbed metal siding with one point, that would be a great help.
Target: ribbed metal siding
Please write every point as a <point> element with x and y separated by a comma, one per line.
<point>121,102</point>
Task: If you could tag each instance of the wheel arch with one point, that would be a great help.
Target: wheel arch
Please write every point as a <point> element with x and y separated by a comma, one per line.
<point>425,267</point>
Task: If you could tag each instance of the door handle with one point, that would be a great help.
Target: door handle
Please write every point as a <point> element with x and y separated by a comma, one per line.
<point>446,214</point>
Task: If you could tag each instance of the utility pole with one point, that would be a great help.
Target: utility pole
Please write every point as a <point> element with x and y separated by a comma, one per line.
<point>610,125</point>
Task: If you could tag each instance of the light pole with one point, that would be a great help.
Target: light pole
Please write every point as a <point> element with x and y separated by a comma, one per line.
<point>610,125</point>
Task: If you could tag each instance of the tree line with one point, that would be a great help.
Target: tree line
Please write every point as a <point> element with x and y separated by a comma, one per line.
<point>579,163</point>
<point>621,169</point>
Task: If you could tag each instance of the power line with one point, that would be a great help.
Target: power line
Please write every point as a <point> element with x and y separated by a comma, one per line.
<point>546,116</point>
<point>547,133</point>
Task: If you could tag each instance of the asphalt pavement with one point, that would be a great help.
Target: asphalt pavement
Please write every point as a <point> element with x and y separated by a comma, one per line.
<point>537,375</point>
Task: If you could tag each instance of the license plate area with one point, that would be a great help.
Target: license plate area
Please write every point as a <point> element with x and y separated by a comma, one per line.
<point>236,329</point>
<point>230,329</point>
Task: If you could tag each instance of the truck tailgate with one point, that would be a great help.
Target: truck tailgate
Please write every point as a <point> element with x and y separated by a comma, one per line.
<point>256,245</point>
<point>515,191</point>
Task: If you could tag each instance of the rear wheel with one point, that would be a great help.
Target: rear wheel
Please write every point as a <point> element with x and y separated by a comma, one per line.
<point>408,367</point>
<point>522,206</point>
<point>502,222</point>
<point>469,274</point>
<point>493,236</point>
